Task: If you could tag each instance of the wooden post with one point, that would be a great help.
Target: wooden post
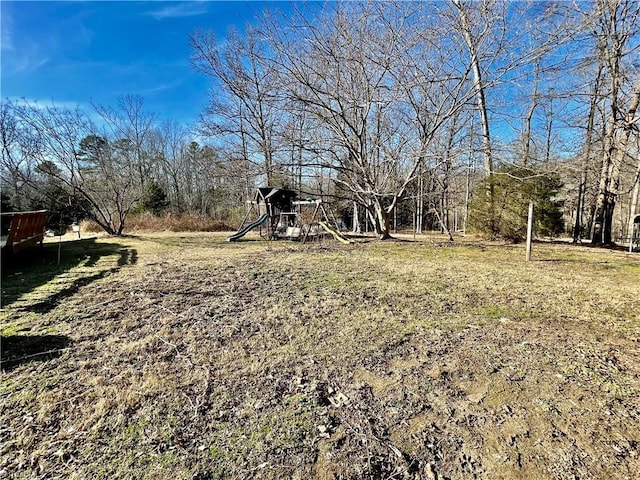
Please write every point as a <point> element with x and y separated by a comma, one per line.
<point>395,219</point>
<point>415,215</point>
<point>529,230</point>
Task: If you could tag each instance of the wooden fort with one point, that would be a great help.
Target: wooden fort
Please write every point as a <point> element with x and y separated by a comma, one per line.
<point>279,215</point>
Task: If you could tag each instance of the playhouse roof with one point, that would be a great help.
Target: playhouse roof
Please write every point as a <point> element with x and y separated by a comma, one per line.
<point>280,197</point>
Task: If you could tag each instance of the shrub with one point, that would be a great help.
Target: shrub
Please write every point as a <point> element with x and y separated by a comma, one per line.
<point>514,187</point>
<point>89,226</point>
<point>174,222</point>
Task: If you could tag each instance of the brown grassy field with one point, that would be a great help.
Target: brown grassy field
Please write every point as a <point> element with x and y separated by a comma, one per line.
<point>181,356</point>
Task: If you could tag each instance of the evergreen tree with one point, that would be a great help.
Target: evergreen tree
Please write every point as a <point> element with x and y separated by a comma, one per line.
<point>154,199</point>
<point>514,188</point>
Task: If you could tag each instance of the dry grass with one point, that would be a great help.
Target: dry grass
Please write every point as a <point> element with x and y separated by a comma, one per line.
<point>169,222</point>
<point>183,356</point>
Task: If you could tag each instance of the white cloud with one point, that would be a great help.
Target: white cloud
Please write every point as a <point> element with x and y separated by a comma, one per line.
<point>18,57</point>
<point>186,9</point>
<point>6,28</point>
<point>27,61</point>
<point>160,88</point>
<point>44,103</point>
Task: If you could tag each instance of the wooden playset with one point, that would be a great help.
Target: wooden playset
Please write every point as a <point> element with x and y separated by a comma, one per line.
<point>280,216</point>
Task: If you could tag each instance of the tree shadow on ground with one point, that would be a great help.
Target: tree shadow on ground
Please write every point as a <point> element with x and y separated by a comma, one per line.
<point>589,245</point>
<point>20,349</point>
<point>25,272</point>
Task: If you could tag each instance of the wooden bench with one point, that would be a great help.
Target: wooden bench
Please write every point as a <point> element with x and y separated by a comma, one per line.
<point>26,230</point>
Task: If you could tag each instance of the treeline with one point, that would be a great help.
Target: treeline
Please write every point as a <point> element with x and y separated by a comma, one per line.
<point>122,162</point>
<point>443,115</point>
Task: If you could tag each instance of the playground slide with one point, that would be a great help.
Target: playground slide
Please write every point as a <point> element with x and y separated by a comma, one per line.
<point>243,231</point>
<point>337,235</point>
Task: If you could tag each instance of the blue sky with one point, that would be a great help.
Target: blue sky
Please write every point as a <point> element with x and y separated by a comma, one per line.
<point>72,53</point>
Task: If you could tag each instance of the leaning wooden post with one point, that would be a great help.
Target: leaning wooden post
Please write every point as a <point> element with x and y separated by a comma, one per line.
<point>529,230</point>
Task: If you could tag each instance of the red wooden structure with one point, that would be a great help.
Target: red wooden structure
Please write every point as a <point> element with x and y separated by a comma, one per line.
<point>26,230</point>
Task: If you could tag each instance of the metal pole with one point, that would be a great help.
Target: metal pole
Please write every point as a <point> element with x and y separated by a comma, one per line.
<point>59,242</point>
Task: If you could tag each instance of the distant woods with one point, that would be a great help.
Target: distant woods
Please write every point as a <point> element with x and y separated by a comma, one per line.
<point>446,115</point>
<point>124,161</point>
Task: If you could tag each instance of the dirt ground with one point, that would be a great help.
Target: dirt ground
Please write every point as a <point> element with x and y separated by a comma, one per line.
<point>173,356</point>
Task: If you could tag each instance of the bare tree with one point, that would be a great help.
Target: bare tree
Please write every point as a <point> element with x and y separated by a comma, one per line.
<point>503,40</point>
<point>634,201</point>
<point>18,148</point>
<point>55,139</point>
<point>170,142</point>
<point>617,23</point>
<point>132,126</point>
<point>594,98</point>
<point>105,178</point>
<point>244,104</point>
<point>377,95</point>
<point>473,39</point>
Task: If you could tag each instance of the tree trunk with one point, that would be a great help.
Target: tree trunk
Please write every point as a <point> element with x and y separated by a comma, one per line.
<point>478,86</point>
<point>356,219</point>
<point>420,203</point>
<point>532,108</point>
<point>634,206</point>
<point>578,227</point>
<point>612,24</point>
<point>470,166</point>
<point>616,150</point>
<point>382,220</point>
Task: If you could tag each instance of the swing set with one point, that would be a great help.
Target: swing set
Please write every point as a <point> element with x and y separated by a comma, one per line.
<point>280,216</point>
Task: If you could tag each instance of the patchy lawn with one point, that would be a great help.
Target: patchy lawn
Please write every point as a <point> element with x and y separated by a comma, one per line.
<point>175,356</point>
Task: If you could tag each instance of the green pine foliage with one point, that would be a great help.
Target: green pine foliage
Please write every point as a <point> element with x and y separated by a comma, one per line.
<point>513,188</point>
<point>154,199</point>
